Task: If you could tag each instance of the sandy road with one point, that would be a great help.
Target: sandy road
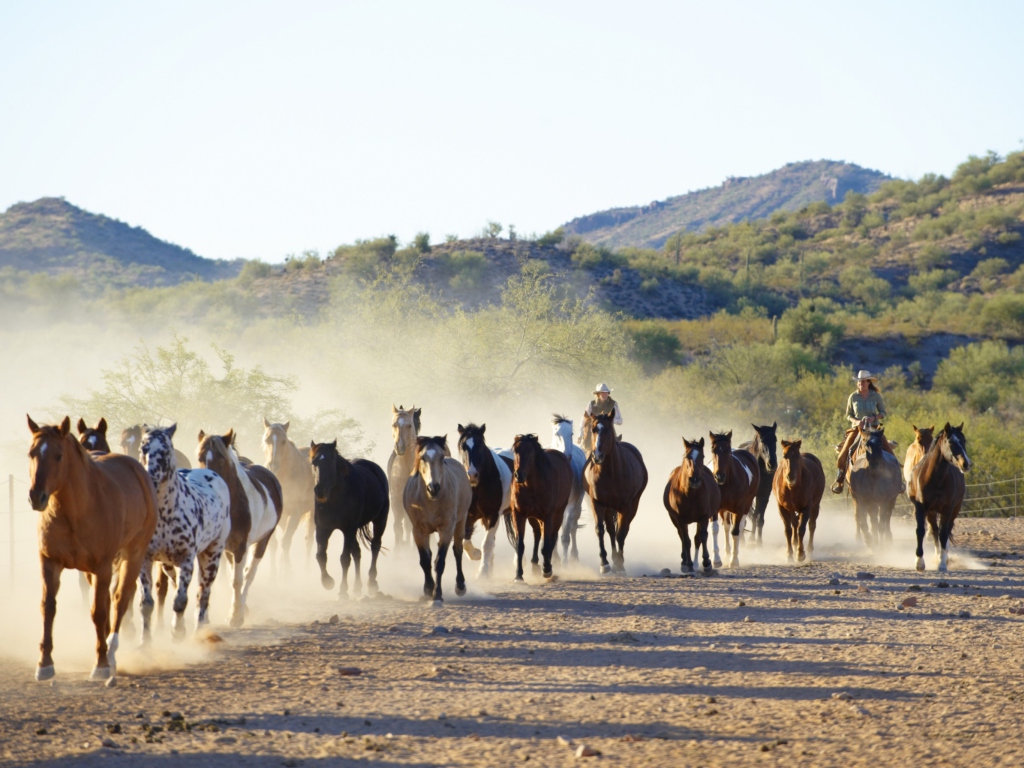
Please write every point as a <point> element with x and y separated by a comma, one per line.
<point>770,664</point>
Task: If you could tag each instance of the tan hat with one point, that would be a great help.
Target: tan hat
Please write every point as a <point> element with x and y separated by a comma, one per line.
<point>864,375</point>
<point>602,387</point>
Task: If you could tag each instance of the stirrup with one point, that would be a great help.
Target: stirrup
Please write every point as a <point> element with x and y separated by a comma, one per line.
<point>837,487</point>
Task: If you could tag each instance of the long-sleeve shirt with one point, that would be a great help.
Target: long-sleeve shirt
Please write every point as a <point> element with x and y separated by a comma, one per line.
<point>858,407</point>
<point>616,410</point>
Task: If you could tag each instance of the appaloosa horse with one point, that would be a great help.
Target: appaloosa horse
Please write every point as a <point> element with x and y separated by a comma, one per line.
<point>490,477</point>
<point>763,448</point>
<point>94,438</point>
<point>98,513</point>
<point>255,512</point>
<point>916,450</point>
<point>798,486</point>
<point>405,426</point>
<point>692,498</point>
<point>437,497</point>
<point>875,483</point>
<point>541,484</point>
<point>351,497</point>
<point>193,523</point>
<point>614,479</point>
<point>738,480</point>
<point>561,440</point>
<point>937,491</point>
<point>291,467</point>
<point>131,445</point>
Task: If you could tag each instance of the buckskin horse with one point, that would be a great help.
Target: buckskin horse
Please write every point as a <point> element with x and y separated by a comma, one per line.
<point>255,512</point>
<point>875,483</point>
<point>97,514</point>
<point>437,497</point>
<point>798,486</point>
<point>541,484</point>
<point>692,497</point>
<point>937,491</point>
<point>738,479</point>
<point>291,467</point>
<point>490,477</point>
<point>561,440</point>
<point>614,479</point>
<point>351,497</point>
<point>763,448</point>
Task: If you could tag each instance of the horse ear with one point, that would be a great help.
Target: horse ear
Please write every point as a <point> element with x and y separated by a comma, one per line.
<point>797,443</point>
<point>102,426</point>
<point>202,434</point>
<point>483,428</point>
<point>785,444</point>
<point>172,429</point>
<point>312,446</point>
<point>229,438</point>
<point>31,424</point>
<point>461,429</point>
<point>393,409</point>
<point>754,426</point>
<point>444,440</point>
<point>774,425</point>
<point>960,428</point>
<point>334,444</point>
<point>266,424</point>
<point>729,434</point>
<point>65,426</point>
<point>82,429</point>
<point>286,425</point>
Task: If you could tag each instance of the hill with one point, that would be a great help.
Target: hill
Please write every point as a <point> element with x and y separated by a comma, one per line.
<point>737,199</point>
<point>53,236</point>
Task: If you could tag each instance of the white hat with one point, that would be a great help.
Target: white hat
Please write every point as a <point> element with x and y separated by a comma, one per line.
<point>602,387</point>
<point>864,375</point>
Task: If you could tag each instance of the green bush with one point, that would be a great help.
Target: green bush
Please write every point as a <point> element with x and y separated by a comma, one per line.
<point>931,280</point>
<point>552,238</point>
<point>254,270</point>
<point>654,345</point>
<point>811,324</point>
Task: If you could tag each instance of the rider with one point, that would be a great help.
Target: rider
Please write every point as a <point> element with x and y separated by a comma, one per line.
<point>601,405</point>
<point>864,407</point>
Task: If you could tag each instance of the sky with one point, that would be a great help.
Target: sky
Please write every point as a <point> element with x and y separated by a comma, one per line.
<point>257,129</point>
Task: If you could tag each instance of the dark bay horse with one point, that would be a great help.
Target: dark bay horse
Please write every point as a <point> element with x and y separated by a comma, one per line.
<point>541,484</point>
<point>351,497</point>
<point>131,445</point>
<point>937,491</point>
<point>875,483</point>
<point>291,467</point>
<point>615,478</point>
<point>692,498</point>
<point>763,448</point>
<point>738,479</point>
<point>490,478</point>
<point>97,513</point>
<point>798,486</point>
<point>94,438</point>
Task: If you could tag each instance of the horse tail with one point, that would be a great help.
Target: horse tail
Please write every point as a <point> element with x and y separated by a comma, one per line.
<point>510,530</point>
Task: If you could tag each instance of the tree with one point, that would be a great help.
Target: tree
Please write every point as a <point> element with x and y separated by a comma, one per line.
<point>493,230</point>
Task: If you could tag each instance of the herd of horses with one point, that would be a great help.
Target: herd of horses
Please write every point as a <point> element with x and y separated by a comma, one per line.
<point>112,516</point>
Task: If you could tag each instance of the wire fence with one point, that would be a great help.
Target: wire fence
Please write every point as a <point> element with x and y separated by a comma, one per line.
<point>991,498</point>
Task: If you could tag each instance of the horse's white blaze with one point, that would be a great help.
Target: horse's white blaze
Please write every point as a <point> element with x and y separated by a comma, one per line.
<point>469,444</point>
<point>209,457</point>
<point>42,449</point>
<point>91,440</point>
<point>694,454</point>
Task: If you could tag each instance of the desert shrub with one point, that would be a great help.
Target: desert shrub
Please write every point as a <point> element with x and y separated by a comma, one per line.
<point>305,260</point>
<point>254,270</point>
<point>367,258</point>
<point>931,280</point>
<point>466,269</point>
<point>811,324</point>
<point>654,344</point>
<point>421,242</point>
<point>982,374</point>
<point>861,284</point>
<point>552,238</point>
<point>1004,315</point>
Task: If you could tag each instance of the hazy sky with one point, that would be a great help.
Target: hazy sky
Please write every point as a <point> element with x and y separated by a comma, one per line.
<point>258,129</point>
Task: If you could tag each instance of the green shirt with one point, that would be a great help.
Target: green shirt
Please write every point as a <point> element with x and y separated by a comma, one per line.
<point>858,407</point>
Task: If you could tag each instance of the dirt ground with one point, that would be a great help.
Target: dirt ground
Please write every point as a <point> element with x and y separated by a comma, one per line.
<point>767,664</point>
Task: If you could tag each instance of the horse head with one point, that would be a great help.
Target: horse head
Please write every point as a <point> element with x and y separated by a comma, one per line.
<point>328,467</point>
<point>874,444</point>
<point>693,461</point>
<point>214,453</point>
<point>47,468</point>
<point>131,441</point>
<point>430,455</point>
<point>924,436</point>
<point>526,450</point>
<point>157,452</point>
<point>94,438</point>
<point>791,457</point>
<point>275,437</point>
<point>721,456</point>
<point>472,449</point>
<point>954,446</point>
<point>767,443</point>
<point>405,426</point>
<point>561,429</point>
<point>604,439</point>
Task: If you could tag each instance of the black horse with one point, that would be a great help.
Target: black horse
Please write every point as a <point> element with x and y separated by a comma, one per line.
<point>490,477</point>
<point>763,447</point>
<point>350,496</point>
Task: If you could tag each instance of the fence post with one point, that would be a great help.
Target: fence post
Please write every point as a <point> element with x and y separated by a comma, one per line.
<point>10,507</point>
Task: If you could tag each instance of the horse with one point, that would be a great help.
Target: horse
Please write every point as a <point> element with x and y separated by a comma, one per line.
<point>256,504</point>
<point>561,440</point>
<point>937,490</point>
<point>738,479</point>
<point>94,438</point>
<point>350,496</point>
<point>131,443</point>
<point>614,479</point>
<point>916,450</point>
<point>437,497</point>
<point>541,485</point>
<point>490,478</point>
<point>763,448</point>
<point>291,467</point>
<point>98,514</point>
<point>193,523</point>
<point>405,426</point>
<point>875,483</point>
<point>798,486</point>
<point>692,497</point>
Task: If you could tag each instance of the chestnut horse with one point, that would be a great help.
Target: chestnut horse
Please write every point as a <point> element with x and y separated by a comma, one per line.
<point>763,448</point>
<point>94,438</point>
<point>798,486</point>
<point>97,513</point>
<point>291,467</point>
<point>405,426</point>
<point>875,483</point>
<point>615,478</point>
<point>738,479</point>
<point>490,477</point>
<point>692,497</point>
<point>541,484</point>
<point>937,491</point>
<point>916,450</point>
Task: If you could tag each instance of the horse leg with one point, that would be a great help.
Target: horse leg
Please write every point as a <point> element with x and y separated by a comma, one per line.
<point>51,584</point>
<point>599,526</point>
<point>574,526</point>
<point>787,523</point>
<point>550,545</point>
<point>620,538</point>
<point>101,620</point>
<point>146,604</point>
<point>727,531</point>
<point>460,577</point>
<point>258,551</point>
<point>292,521</point>
<point>378,533</point>
<point>919,514</point>
<point>487,561</point>
<point>346,561</point>
<point>701,541</point>
<point>714,539</point>
<point>442,554</point>
<point>467,541</point>
<point>762,506</point>
<point>357,565</point>
<point>801,531</point>
<point>945,532</point>
<point>519,521</point>
<point>162,581</point>
<point>537,536</point>
<point>128,576</point>
<point>737,522</point>
<point>933,526</point>
<point>209,565</point>
<point>422,542</point>
<point>236,557</point>
<point>684,535</point>
<point>323,535</point>
<point>181,598</point>
<point>84,585</point>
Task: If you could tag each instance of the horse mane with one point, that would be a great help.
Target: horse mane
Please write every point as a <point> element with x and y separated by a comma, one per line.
<point>466,430</point>
<point>423,442</point>
<point>557,418</point>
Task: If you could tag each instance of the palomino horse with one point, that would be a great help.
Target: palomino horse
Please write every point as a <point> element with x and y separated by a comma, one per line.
<point>937,491</point>
<point>541,484</point>
<point>763,448</point>
<point>437,497</point>
<point>561,440</point>
<point>490,477</point>
<point>738,480</point>
<point>193,523</point>
<point>131,445</point>
<point>916,450</point>
<point>256,503</point>
<point>291,467</point>
<point>798,486</point>
<point>875,484</point>
<point>405,426</point>
<point>94,438</point>
<point>614,479</point>
<point>692,497</point>
<point>97,513</point>
<point>351,496</point>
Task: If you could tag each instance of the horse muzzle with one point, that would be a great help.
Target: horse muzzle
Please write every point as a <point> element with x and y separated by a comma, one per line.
<point>38,499</point>
<point>964,463</point>
<point>719,478</point>
<point>433,490</point>
<point>597,458</point>
<point>474,479</point>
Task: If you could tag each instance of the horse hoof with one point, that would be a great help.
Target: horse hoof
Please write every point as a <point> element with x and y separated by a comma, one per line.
<point>920,564</point>
<point>550,577</point>
<point>45,673</point>
<point>236,620</point>
<point>718,563</point>
<point>327,582</point>
<point>372,588</point>
<point>437,603</point>
<point>518,580</point>
<point>100,673</point>
<point>536,569</point>
<point>460,591</point>
<point>605,568</point>
<point>474,554</point>
<point>943,568</point>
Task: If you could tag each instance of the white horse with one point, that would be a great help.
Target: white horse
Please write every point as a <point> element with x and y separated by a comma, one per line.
<point>561,440</point>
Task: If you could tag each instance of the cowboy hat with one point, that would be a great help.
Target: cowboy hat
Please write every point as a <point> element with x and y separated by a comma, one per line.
<point>865,375</point>
<point>602,387</point>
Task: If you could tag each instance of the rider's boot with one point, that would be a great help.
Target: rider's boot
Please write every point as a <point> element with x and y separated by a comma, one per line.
<point>837,486</point>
